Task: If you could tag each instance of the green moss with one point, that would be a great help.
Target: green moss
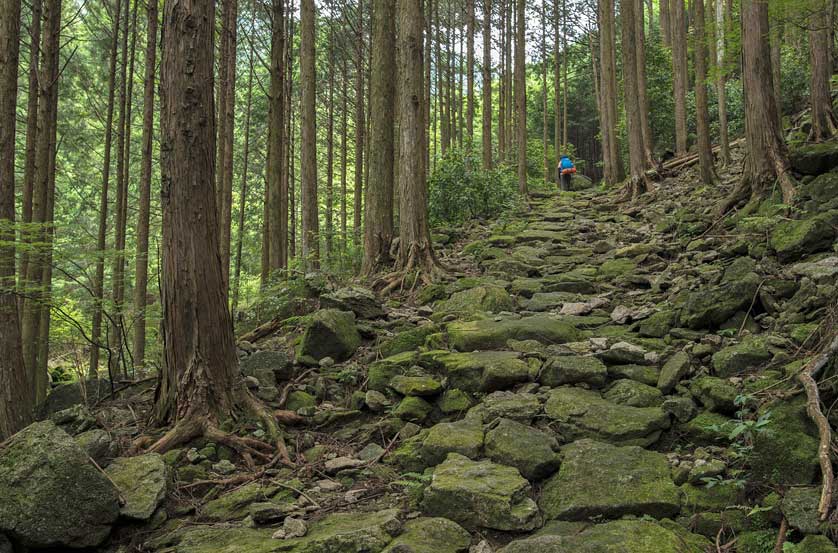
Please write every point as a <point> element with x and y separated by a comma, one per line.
<point>616,267</point>
<point>488,335</point>
<point>407,340</point>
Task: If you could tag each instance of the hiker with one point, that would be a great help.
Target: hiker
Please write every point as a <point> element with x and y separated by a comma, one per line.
<point>566,170</point>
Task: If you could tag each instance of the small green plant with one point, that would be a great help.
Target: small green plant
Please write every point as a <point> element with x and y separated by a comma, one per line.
<point>713,481</point>
<point>413,484</point>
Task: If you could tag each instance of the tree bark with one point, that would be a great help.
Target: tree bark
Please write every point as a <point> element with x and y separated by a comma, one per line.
<point>824,124</point>
<point>634,123</point>
<point>378,230</point>
<point>308,139</point>
<point>611,167</point>
<point>643,99</point>
<point>776,41</point>
<point>679,68</point>
<point>227,72</point>
<point>45,148</point>
<point>766,161</point>
<point>101,239</point>
<point>721,91</point>
<point>15,391</point>
<point>521,94</point>
<point>487,85</point>
<point>360,127</point>
<point>502,82</point>
<point>545,140</point>
<point>557,86</point>
<point>705,152</point>
<point>665,23</point>
<point>470,29</point>
<point>199,385</point>
<point>143,215</point>
<point>330,148</point>
<point>344,154</point>
<point>276,185</point>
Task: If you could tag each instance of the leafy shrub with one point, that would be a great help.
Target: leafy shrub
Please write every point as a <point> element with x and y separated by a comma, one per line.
<point>459,189</point>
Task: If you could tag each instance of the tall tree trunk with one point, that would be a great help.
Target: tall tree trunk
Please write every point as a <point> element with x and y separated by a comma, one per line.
<point>643,99</point>
<point>330,148</point>
<point>227,118</point>
<point>766,161</point>
<point>344,154</point>
<point>115,367</point>
<point>45,311</point>
<point>143,216</point>
<point>45,148</point>
<point>15,391</point>
<point>276,187</point>
<point>360,126</point>
<point>679,68</point>
<point>545,137</point>
<point>487,85</point>
<point>565,65</point>
<point>610,148</point>
<point>245,167</point>
<point>820,56</point>
<point>665,23</point>
<point>776,41</point>
<point>702,111</point>
<point>308,139</point>
<point>721,92</point>
<point>199,385</point>
<point>415,248</point>
<point>502,88</point>
<point>470,30</point>
<point>101,239</point>
<point>31,139</point>
<point>521,94</point>
<point>632,98</point>
<point>378,230</point>
<point>557,86</point>
<point>510,77</point>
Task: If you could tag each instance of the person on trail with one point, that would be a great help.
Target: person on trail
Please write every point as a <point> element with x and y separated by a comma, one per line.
<point>566,170</point>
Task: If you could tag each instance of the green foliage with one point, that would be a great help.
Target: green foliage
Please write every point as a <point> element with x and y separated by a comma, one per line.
<point>414,484</point>
<point>459,189</point>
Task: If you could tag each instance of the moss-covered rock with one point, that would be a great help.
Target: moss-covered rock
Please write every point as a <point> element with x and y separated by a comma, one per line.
<point>413,409</point>
<point>647,374</point>
<point>521,446</point>
<point>585,414</point>
<point>744,356</point>
<point>715,394</point>
<point>658,324</point>
<point>361,301</point>
<point>481,494</point>
<point>268,367</point>
<point>785,452</point>
<point>707,428</point>
<point>407,340</point>
<point>431,535</point>
<point>633,393</point>
<point>416,385</point>
<point>711,306</point>
<point>464,437</point>
<point>795,239</point>
<point>814,159</point>
<point>330,333</point>
<point>573,369</point>
<point>547,301</point>
<point>757,541</point>
<point>619,536</point>
<point>454,401</point>
<point>673,371</point>
<point>522,407</point>
<point>50,493</point>
<point>235,504</point>
<point>481,299</point>
<point>299,399</point>
<point>616,267</point>
<point>816,544</point>
<point>142,481</point>
<point>601,480</point>
<point>800,507</point>
<point>488,335</point>
<point>700,498</point>
<point>484,371</point>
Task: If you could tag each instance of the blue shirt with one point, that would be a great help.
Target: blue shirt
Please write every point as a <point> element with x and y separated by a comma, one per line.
<point>566,163</point>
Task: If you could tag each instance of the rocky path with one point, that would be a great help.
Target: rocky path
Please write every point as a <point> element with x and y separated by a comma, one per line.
<point>602,380</point>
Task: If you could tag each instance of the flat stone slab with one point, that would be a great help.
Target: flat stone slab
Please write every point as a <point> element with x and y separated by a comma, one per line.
<point>585,414</point>
<point>602,480</point>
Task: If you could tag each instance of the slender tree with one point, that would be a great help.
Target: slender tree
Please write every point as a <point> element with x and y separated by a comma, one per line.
<point>344,152</point>
<point>276,186</point>
<point>679,68</point>
<point>15,391</point>
<point>665,23</point>
<point>634,123</point>
<point>378,230</point>
<point>487,84</point>
<point>226,117</point>
<point>360,125</point>
<point>470,30</point>
<point>308,139</point>
<point>521,94</point>
<point>611,151</point>
<point>721,80</point>
<point>642,97</point>
<point>824,123</point>
<point>199,384</point>
<point>705,152</point>
<point>143,215</point>
<point>766,162</point>
<point>101,239</point>
<point>330,146</point>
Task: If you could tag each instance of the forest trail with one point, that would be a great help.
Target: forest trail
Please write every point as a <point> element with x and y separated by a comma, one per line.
<point>598,374</point>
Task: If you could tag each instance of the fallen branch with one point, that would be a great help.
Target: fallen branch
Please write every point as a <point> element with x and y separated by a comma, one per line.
<point>781,536</point>
<point>813,407</point>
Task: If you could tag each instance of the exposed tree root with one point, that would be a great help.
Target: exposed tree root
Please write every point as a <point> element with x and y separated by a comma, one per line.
<point>420,262</point>
<point>813,406</point>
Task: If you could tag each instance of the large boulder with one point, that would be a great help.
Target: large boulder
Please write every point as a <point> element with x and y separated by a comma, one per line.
<point>711,306</point>
<point>531,451</point>
<point>69,394</point>
<point>268,367</point>
<point>601,480</point>
<point>464,437</point>
<point>361,301</point>
<point>431,535</point>
<point>814,159</point>
<point>785,451</point>
<point>585,414</point>
<point>480,299</point>
<point>481,494</point>
<point>795,239</point>
<point>330,333</point>
<point>574,369</point>
<point>673,371</point>
<point>633,393</point>
<point>487,334</point>
<point>484,371</point>
<point>235,504</point>
<point>735,359</point>
<point>619,536</point>
<point>142,481</point>
<point>51,495</point>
